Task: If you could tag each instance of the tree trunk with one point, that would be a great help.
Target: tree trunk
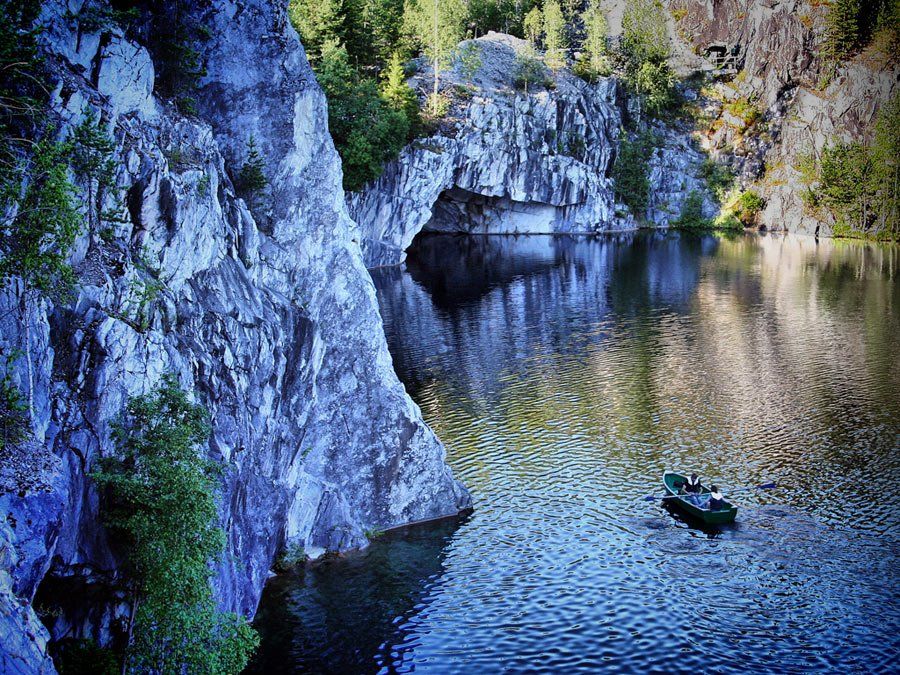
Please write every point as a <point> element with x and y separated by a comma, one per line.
<point>30,368</point>
<point>434,100</point>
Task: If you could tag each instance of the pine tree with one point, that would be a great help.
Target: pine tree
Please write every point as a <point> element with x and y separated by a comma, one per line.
<point>398,94</point>
<point>317,21</point>
<point>438,25</point>
<point>554,34</point>
<point>644,34</point>
<point>842,33</point>
<point>252,178</point>
<point>596,29</point>
<point>534,25</point>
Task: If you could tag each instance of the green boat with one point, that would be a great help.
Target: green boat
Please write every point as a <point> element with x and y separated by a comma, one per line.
<point>724,515</point>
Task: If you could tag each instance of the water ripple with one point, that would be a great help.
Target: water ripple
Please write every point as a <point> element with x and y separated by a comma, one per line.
<point>564,376</point>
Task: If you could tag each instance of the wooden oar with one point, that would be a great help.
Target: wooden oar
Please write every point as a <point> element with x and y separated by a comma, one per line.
<point>764,486</point>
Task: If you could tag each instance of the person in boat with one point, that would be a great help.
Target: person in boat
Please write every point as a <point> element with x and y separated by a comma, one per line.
<point>692,485</point>
<point>716,499</point>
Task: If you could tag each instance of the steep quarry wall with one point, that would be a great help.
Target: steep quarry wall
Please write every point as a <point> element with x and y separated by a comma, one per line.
<point>506,161</point>
<point>783,76</point>
<point>266,313</point>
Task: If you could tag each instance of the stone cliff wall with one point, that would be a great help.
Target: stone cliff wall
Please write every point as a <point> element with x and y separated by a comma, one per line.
<point>508,162</point>
<point>266,313</point>
<point>783,76</point>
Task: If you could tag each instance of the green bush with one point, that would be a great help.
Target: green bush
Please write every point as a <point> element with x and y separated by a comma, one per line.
<point>630,172</point>
<point>646,49</point>
<point>859,184</point>
<point>14,422</point>
<point>530,73</point>
<point>691,217</point>
<point>366,129</point>
<point>160,500</point>
<point>748,207</point>
<point>718,178</point>
<point>252,178</point>
<point>290,557</point>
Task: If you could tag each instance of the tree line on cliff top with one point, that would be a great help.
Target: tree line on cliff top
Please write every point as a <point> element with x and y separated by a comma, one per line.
<point>361,51</point>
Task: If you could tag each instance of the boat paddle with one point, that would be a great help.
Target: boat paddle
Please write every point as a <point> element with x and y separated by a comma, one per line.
<point>764,486</point>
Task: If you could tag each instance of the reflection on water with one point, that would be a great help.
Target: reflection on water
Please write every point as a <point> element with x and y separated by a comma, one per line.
<point>564,376</point>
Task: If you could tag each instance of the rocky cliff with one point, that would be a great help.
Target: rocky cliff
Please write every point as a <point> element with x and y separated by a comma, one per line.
<point>509,161</point>
<point>265,312</point>
<point>783,79</point>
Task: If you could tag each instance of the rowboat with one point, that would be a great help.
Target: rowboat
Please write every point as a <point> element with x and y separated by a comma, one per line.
<point>724,515</point>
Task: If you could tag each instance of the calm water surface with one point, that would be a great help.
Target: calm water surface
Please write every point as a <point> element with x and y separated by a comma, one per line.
<point>564,376</point>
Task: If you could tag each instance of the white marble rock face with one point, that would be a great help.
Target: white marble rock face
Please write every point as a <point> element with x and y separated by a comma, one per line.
<point>266,313</point>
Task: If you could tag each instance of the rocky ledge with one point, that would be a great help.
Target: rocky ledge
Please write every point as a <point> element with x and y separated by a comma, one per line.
<point>507,161</point>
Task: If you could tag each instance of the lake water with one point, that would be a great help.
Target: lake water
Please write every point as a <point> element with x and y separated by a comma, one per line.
<point>564,375</point>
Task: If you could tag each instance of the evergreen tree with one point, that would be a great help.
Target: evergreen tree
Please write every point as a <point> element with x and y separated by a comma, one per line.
<point>317,21</point>
<point>554,34</point>
<point>398,94</point>
<point>842,34</point>
<point>366,127</point>
<point>595,29</point>
<point>644,34</point>
<point>534,26</point>
<point>438,25</point>
<point>252,177</point>
<point>632,183</point>
<point>92,162</point>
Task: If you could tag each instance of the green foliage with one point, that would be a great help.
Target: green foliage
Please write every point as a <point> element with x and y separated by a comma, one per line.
<point>469,60</point>
<point>534,25</point>
<point>645,47</point>
<point>23,92</point>
<point>366,127</point>
<point>505,16</point>
<point>317,21</point>
<point>842,34</point>
<point>36,240</point>
<point>691,217</point>
<point>555,40</point>
<point>748,207</point>
<point>719,178</point>
<point>437,26</point>
<point>594,61</point>
<point>530,72</point>
<point>92,163</point>
<point>177,47</point>
<point>644,35</point>
<point>851,24</point>
<point>655,84</point>
<point>160,498</point>
<point>290,557</point>
<point>252,178</point>
<point>745,110</point>
<point>859,184</point>
<point>14,422</point>
<point>83,657</point>
<point>93,18</point>
<point>630,172</point>
<point>399,95</point>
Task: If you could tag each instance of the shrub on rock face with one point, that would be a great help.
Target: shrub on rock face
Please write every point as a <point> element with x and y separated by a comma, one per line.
<point>251,179</point>
<point>632,183</point>
<point>748,207</point>
<point>691,217</point>
<point>531,73</point>
<point>160,499</point>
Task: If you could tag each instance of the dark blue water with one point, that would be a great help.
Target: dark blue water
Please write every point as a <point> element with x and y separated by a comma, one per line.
<point>564,376</point>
